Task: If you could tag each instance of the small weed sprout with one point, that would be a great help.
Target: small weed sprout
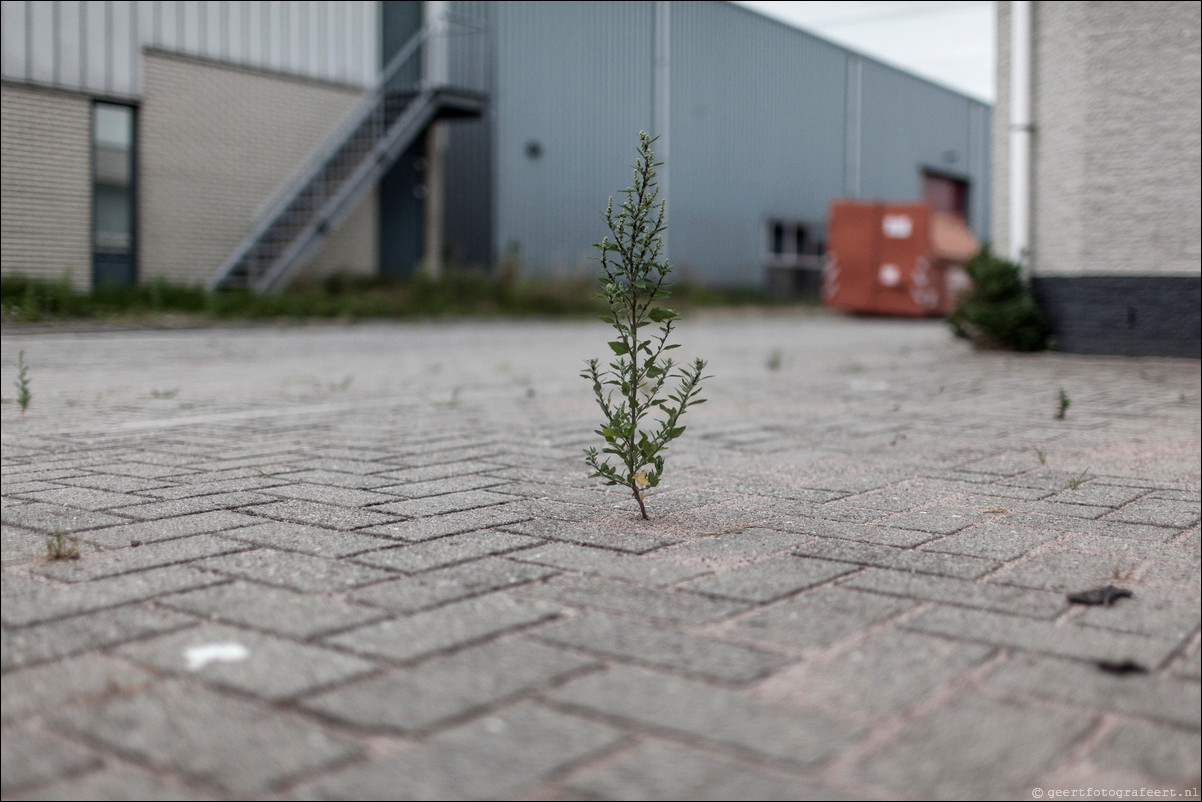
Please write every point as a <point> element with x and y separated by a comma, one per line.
<point>1073,484</point>
<point>634,276</point>
<point>61,546</point>
<point>1065,403</point>
<point>22,383</point>
<point>1043,457</point>
<point>775,359</point>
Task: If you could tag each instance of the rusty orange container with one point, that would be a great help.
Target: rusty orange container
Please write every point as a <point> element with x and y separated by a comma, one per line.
<point>894,259</point>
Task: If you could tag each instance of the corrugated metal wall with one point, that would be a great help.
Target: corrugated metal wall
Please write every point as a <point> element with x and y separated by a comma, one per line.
<point>757,134</point>
<point>765,122</point>
<point>573,89</point>
<point>911,125</point>
<point>94,47</point>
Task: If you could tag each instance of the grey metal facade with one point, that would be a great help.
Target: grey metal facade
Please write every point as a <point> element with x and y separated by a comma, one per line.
<point>759,121</point>
<point>96,47</point>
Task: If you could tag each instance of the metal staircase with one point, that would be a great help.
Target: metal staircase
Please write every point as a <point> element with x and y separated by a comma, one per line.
<point>374,134</point>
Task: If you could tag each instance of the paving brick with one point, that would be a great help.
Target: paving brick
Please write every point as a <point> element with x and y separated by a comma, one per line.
<point>113,484</point>
<point>444,485</point>
<point>287,569</point>
<point>309,667</point>
<point>325,494</point>
<point>209,738</point>
<point>443,470</point>
<point>867,533</point>
<point>144,532</point>
<point>29,646</point>
<point>936,520</point>
<point>1065,571</point>
<point>52,518</point>
<point>893,499</point>
<point>882,676</point>
<point>120,783</point>
<point>603,562</point>
<point>748,545</point>
<point>447,550</point>
<point>995,540</point>
<point>325,515</point>
<point>1024,741</point>
<point>1163,754</point>
<point>1191,667</point>
<point>39,602</point>
<point>327,543</point>
<point>97,565</point>
<point>667,648</point>
<point>37,691</point>
<point>769,580</point>
<point>1158,512</point>
<point>86,499</point>
<point>1144,695</point>
<point>818,619</point>
<point>272,609</point>
<point>1100,495</point>
<point>195,504</point>
<point>446,688</point>
<point>490,758</point>
<point>708,713</point>
<point>354,481</point>
<point>962,593</point>
<point>30,759</point>
<point>449,502</point>
<point>668,772</point>
<point>1044,637</point>
<point>432,588</point>
<point>197,489</point>
<point>626,540</point>
<point>1153,611</point>
<point>451,523</point>
<point>453,625</point>
<point>926,562</point>
<point>590,592</point>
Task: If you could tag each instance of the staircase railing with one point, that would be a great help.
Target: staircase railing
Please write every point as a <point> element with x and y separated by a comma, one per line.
<point>307,207</point>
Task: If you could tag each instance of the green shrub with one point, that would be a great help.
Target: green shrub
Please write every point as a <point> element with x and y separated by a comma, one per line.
<point>999,310</point>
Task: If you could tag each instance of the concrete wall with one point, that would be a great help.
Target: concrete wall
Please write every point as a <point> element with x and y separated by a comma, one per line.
<point>45,184</point>
<point>215,143</point>
<point>1116,183</point>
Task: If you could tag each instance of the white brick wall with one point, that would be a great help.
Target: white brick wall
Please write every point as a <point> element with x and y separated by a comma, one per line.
<point>45,184</point>
<point>1118,138</point>
<point>215,142</point>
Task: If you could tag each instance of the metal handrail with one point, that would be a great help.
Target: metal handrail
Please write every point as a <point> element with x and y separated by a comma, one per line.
<point>369,110</point>
<point>279,200</point>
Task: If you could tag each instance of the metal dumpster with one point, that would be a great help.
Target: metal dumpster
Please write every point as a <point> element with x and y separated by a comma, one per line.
<point>895,259</point>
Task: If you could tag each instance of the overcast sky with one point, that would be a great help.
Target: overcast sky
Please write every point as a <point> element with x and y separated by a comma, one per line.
<point>948,42</point>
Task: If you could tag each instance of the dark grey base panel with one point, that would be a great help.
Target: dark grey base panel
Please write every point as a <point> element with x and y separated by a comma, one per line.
<point>1123,315</point>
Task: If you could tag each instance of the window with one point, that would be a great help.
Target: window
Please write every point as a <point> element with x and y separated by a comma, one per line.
<point>792,243</point>
<point>113,199</point>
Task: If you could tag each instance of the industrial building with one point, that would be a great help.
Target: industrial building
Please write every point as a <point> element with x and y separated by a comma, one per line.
<point>1098,155</point>
<point>254,143</point>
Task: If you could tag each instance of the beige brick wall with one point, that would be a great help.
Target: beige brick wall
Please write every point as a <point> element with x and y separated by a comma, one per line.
<point>1117,148</point>
<point>215,143</point>
<point>45,184</point>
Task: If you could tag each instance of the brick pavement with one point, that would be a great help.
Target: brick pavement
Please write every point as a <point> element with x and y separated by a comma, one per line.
<point>853,583</point>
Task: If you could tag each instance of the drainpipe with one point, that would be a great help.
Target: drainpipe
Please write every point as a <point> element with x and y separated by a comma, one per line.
<point>662,101</point>
<point>437,71</point>
<point>1020,134</point>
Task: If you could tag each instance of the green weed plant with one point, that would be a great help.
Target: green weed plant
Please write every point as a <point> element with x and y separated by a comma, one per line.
<point>631,390</point>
